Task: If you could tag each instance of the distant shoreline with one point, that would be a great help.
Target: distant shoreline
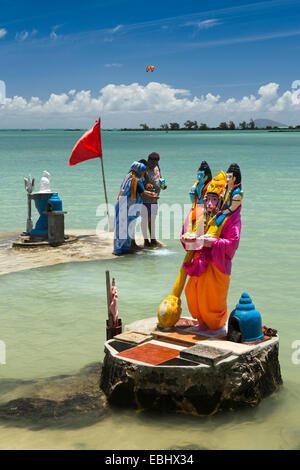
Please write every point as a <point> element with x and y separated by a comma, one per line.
<point>160,130</point>
<point>208,130</point>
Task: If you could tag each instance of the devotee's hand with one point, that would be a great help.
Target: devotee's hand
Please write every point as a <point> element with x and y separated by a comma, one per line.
<point>151,194</point>
<point>149,186</point>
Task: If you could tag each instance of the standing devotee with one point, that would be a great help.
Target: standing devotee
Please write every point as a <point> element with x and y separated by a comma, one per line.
<point>128,209</point>
<point>153,181</point>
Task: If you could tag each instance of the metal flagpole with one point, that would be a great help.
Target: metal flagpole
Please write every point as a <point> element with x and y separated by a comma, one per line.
<point>110,223</point>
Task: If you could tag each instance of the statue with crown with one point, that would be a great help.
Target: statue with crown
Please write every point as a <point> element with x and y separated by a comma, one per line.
<point>210,237</point>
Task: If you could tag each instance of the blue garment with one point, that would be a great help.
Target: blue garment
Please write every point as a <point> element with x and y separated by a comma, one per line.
<point>197,187</point>
<point>137,166</point>
<point>127,211</point>
<point>222,217</point>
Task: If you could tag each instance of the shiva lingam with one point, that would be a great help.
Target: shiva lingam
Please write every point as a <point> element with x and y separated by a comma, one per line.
<point>47,202</point>
<point>49,228</point>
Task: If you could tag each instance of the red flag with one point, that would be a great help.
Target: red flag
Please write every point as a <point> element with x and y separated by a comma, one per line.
<point>88,146</point>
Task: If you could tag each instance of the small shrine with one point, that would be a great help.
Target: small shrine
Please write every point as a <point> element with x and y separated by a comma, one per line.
<point>178,370</point>
<point>208,361</point>
<point>49,229</point>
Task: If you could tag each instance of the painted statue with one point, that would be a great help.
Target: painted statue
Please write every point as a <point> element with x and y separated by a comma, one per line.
<point>45,183</point>
<point>209,268</point>
<point>193,226</point>
<point>233,196</point>
<point>169,310</point>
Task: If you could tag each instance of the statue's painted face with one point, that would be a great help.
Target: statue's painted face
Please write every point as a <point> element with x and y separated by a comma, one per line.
<point>211,202</point>
<point>230,179</point>
<point>200,176</point>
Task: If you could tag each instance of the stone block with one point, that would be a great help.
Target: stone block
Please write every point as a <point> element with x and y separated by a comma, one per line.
<point>133,337</point>
<point>205,354</point>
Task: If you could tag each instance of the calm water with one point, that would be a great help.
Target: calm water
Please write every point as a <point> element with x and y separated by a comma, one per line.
<point>52,319</point>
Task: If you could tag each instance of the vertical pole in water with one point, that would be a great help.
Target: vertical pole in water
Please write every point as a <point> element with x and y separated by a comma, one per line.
<point>29,224</point>
<point>110,321</point>
<point>110,226</point>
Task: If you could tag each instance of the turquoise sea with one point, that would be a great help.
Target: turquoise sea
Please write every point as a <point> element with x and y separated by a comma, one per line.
<point>52,319</point>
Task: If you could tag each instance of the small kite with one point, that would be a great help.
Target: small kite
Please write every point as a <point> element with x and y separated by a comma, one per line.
<point>150,67</point>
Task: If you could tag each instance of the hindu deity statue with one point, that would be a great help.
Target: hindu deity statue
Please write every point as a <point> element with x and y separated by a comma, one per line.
<point>233,196</point>
<point>194,223</point>
<point>209,268</point>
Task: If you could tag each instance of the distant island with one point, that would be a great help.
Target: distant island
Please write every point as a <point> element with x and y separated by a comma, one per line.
<point>257,124</point>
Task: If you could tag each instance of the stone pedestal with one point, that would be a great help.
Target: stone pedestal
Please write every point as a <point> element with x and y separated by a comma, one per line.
<point>56,227</point>
<point>231,375</point>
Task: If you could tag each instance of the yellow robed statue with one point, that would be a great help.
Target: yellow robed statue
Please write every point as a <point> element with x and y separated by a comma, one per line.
<point>169,311</point>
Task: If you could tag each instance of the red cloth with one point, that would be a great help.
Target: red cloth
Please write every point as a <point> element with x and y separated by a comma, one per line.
<point>113,305</point>
<point>88,146</point>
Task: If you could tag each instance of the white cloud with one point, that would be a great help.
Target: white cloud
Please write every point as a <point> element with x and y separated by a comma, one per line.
<point>3,32</point>
<point>116,29</point>
<point>110,33</point>
<point>113,65</point>
<point>23,35</point>
<point>128,105</point>
<point>205,24</point>
<point>53,34</point>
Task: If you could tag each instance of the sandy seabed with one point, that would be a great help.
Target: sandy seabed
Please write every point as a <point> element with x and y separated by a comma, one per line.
<point>89,246</point>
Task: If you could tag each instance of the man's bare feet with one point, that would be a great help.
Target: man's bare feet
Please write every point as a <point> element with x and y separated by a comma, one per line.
<point>135,247</point>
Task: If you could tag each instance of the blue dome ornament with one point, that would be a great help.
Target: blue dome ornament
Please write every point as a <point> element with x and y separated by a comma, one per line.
<point>248,319</point>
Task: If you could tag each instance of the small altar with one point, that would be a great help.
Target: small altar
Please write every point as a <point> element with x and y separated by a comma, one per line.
<point>174,370</point>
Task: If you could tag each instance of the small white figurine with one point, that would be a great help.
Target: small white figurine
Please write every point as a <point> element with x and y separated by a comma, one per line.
<point>45,183</point>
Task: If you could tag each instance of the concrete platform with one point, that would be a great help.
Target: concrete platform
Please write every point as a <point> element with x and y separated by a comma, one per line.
<point>27,242</point>
<point>208,376</point>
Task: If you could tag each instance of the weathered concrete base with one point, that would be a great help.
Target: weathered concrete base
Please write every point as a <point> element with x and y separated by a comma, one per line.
<point>29,242</point>
<point>243,379</point>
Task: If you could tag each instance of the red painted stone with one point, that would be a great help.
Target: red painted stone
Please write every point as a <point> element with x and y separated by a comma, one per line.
<point>150,353</point>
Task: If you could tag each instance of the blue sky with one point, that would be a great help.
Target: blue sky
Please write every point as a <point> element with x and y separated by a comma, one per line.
<point>221,48</point>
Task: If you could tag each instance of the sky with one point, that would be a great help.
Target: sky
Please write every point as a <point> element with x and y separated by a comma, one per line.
<point>64,63</point>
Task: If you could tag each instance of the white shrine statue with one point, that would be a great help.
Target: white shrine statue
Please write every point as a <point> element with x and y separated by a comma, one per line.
<point>45,183</point>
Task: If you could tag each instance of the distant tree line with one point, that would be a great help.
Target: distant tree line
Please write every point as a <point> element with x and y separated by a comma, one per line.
<point>193,126</point>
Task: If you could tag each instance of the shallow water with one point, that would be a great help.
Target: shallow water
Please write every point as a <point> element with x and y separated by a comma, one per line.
<point>53,318</point>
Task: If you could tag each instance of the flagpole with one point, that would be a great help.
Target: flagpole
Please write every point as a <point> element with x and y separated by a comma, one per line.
<point>110,228</point>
